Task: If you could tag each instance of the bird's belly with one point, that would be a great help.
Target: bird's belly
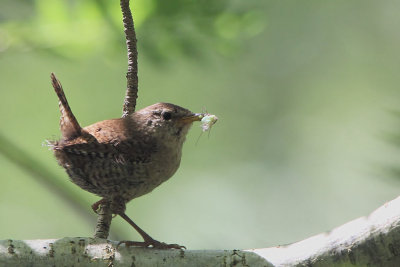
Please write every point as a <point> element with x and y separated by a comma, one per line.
<point>123,176</point>
<point>159,171</point>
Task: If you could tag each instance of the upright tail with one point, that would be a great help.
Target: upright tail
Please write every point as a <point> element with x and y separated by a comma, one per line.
<point>69,126</point>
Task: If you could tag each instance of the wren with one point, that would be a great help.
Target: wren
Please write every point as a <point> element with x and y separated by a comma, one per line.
<point>125,158</point>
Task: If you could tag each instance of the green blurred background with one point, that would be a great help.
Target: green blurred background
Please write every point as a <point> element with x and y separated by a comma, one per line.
<point>307,93</point>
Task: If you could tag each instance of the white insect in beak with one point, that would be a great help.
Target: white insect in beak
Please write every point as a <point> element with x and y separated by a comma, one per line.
<point>208,121</point>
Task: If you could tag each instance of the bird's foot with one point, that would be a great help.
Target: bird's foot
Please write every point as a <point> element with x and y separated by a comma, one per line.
<point>151,243</point>
<point>148,240</point>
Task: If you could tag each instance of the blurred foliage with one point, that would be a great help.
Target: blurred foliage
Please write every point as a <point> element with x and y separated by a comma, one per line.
<point>392,168</point>
<point>74,28</point>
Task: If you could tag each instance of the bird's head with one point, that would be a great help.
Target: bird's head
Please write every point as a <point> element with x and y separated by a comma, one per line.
<point>167,121</point>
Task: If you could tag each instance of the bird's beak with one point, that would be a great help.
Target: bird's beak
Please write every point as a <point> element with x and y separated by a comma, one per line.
<point>192,117</point>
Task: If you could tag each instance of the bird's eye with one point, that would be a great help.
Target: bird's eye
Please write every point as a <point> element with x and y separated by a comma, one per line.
<point>167,115</point>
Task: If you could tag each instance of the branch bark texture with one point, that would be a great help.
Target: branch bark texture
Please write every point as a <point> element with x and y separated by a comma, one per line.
<point>373,240</point>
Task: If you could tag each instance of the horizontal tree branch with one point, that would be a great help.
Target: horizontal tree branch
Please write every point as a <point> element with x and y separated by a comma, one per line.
<point>368,241</point>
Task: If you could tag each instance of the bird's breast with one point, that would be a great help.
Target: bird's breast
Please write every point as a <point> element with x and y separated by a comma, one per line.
<point>159,164</point>
<point>165,163</point>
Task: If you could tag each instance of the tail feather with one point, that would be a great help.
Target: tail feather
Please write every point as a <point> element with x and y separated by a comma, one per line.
<point>69,126</point>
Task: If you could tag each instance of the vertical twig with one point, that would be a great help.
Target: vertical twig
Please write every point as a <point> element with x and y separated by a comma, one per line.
<point>132,74</point>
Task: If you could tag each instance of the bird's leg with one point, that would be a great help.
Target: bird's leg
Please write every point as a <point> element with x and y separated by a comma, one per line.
<point>118,206</point>
<point>148,240</point>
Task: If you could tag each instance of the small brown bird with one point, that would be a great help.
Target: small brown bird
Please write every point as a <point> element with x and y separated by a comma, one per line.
<point>122,159</point>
